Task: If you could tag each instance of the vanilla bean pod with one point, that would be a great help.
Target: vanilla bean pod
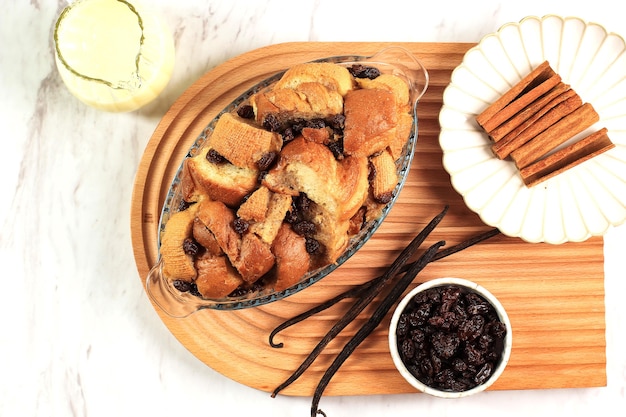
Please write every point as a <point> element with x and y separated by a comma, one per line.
<point>376,318</point>
<point>364,301</point>
<point>360,289</point>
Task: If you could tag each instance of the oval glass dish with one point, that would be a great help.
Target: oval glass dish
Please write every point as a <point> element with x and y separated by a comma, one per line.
<point>576,204</point>
<point>392,60</point>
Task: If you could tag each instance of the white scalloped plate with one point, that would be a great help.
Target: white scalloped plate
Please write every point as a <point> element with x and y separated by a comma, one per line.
<point>579,203</point>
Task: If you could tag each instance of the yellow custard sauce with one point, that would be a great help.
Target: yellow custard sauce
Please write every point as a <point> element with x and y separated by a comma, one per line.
<point>114,55</point>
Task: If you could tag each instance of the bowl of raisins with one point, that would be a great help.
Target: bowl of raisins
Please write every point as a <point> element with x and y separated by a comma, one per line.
<point>450,338</point>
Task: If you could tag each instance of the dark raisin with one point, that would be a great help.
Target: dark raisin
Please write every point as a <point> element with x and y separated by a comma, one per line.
<point>214,157</point>
<point>316,123</point>
<point>288,135</point>
<point>445,344</point>
<point>473,355</point>
<point>371,176</point>
<point>298,125</point>
<point>182,286</point>
<point>246,111</point>
<point>472,328</point>
<point>184,205</point>
<point>303,203</point>
<point>459,365</point>
<point>240,225</point>
<point>497,329</point>
<point>403,326</point>
<point>191,247</point>
<point>338,122</point>
<point>266,160</point>
<point>384,198</point>
<point>291,217</point>
<point>194,290</point>
<point>312,246</point>
<point>271,123</point>
<point>474,309</point>
<point>337,149</point>
<point>407,349</point>
<point>362,71</point>
<point>483,374</point>
<point>304,228</point>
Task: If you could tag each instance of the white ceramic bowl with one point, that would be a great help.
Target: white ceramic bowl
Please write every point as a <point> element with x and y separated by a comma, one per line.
<point>468,286</point>
<point>581,202</point>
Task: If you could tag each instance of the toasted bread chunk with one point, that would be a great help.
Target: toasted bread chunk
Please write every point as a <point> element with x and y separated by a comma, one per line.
<point>242,143</point>
<point>277,209</point>
<point>216,276</point>
<point>176,263</point>
<point>254,209</point>
<point>218,219</point>
<point>371,117</point>
<point>305,101</point>
<point>255,258</point>
<point>332,76</point>
<point>292,259</point>
<point>394,84</point>
<point>385,177</point>
<point>223,182</point>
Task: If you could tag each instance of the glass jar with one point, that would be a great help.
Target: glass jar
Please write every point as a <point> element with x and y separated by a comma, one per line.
<point>114,55</point>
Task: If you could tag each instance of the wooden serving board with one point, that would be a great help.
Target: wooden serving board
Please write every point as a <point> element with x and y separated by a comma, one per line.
<point>554,295</point>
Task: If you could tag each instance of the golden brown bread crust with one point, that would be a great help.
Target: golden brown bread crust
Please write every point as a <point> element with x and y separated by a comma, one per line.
<point>223,182</point>
<point>254,209</point>
<point>292,259</point>
<point>242,143</point>
<point>206,238</point>
<point>255,258</point>
<point>176,263</point>
<point>306,101</point>
<point>218,219</point>
<point>216,276</point>
<point>371,116</point>
<point>394,85</point>
<point>277,208</point>
<point>385,177</point>
<point>334,77</point>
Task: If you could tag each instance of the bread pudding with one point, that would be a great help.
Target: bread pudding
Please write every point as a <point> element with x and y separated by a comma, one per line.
<point>284,181</point>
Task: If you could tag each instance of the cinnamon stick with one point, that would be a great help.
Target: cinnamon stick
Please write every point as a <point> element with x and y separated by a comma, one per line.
<point>549,114</point>
<point>540,73</point>
<point>521,102</point>
<point>521,119</point>
<point>558,133</point>
<point>566,158</point>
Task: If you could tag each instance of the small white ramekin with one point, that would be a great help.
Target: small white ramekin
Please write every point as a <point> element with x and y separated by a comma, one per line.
<point>471,286</point>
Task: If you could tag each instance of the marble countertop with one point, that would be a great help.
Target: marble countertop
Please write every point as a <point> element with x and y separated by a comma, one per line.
<point>79,336</point>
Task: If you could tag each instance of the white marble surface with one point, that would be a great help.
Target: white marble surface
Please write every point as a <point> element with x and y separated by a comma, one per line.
<point>78,335</point>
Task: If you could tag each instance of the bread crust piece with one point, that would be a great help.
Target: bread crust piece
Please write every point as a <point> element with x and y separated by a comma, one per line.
<point>223,182</point>
<point>176,263</point>
<point>394,84</point>
<point>216,276</point>
<point>332,76</point>
<point>385,177</point>
<point>292,259</point>
<point>218,219</point>
<point>255,258</point>
<point>242,143</point>
<point>308,100</point>
<point>371,117</point>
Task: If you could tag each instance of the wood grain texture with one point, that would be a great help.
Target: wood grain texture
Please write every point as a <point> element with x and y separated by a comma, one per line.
<point>554,295</point>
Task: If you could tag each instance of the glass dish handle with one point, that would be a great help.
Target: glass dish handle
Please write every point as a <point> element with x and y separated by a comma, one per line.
<point>166,297</point>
